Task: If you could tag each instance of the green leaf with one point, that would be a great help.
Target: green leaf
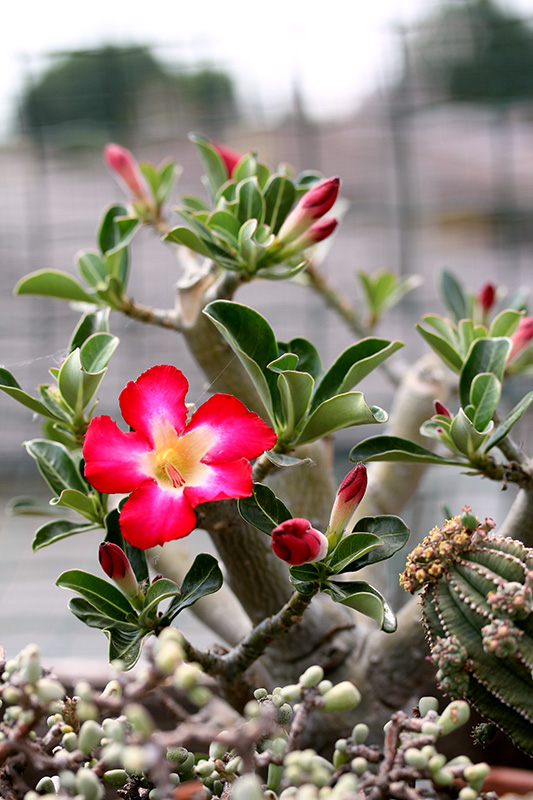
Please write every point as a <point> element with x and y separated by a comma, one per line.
<point>91,267</point>
<point>53,283</point>
<point>501,430</point>
<point>394,448</point>
<point>161,590</point>
<point>125,644</point>
<point>280,195</point>
<point>283,461</point>
<point>352,366</point>
<point>188,238</point>
<point>109,235</point>
<point>226,225</point>
<point>308,357</point>
<point>11,387</point>
<point>125,639</point>
<point>505,323</point>
<point>88,614</point>
<point>295,389</point>
<point>341,411</point>
<point>250,202</point>
<point>203,578</point>
<point>485,355</point>
<point>104,596</point>
<point>446,351</point>
<point>465,436</point>
<point>484,396</point>
<point>56,465</point>
<point>33,506</point>
<point>253,341</point>
<point>190,202</point>
<point>263,509</point>
<point>350,549</point>
<point>58,529</point>
<point>77,501</point>
<point>392,531</point>
<point>362,597</point>
<point>454,296</point>
<point>214,166</point>
<point>305,578</point>
<point>284,362</point>
<point>96,352</point>
<point>93,322</point>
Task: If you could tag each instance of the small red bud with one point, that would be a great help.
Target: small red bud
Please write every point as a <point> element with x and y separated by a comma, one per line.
<point>441,409</point>
<point>296,542</point>
<point>349,495</point>
<point>312,206</point>
<point>521,337</point>
<point>230,157</point>
<point>124,165</point>
<point>487,296</point>
<point>116,566</point>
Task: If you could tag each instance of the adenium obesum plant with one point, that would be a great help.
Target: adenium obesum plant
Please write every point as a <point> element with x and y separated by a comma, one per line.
<point>168,464</point>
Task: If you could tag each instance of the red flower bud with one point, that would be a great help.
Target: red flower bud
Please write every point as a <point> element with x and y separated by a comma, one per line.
<point>441,409</point>
<point>487,296</point>
<point>296,542</point>
<point>230,157</point>
<point>123,164</point>
<point>312,206</point>
<point>116,566</point>
<point>349,496</point>
<point>521,337</point>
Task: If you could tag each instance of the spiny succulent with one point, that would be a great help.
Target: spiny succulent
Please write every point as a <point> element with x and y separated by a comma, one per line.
<point>477,605</point>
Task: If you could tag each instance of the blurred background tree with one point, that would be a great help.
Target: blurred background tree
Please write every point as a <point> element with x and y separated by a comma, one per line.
<point>474,51</point>
<point>92,95</point>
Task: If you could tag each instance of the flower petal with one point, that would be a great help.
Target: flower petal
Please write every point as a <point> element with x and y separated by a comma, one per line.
<point>239,433</point>
<point>158,395</point>
<point>152,515</point>
<point>221,481</point>
<point>114,461</point>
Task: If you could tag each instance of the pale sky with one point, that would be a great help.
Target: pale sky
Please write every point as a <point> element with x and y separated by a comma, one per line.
<point>338,49</point>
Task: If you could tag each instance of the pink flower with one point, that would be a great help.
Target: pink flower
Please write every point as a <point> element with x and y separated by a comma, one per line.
<point>230,157</point>
<point>521,337</point>
<point>487,296</point>
<point>296,542</point>
<point>169,466</point>
<point>312,206</point>
<point>123,164</point>
<point>349,496</point>
<point>116,566</point>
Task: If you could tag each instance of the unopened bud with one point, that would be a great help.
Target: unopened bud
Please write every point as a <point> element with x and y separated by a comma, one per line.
<point>521,337</point>
<point>349,496</point>
<point>116,566</point>
<point>311,207</point>
<point>441,409</point>
<point>296,542</point>
<point>230,157</point>
<point>486,297</point>
<point>125,167</point>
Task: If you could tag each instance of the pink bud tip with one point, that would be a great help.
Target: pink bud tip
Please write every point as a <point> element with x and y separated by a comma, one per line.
<point>521,337</point>
<point>230,157</point>
<point>123,164</point>
<point>116,566</point>
<point>319,231</point>
<point>349,495</point>
<point>487,296</point>
<point>312,206</point>
<point>441,409</point>
<point>296,542</point>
